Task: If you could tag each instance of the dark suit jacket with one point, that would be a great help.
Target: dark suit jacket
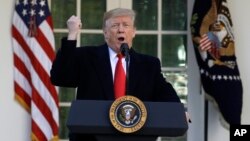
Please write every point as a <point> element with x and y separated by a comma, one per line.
<point>89,69</point>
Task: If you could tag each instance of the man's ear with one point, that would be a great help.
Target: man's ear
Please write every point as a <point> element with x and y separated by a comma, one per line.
<point>134,33</point>
<point>105,34</point>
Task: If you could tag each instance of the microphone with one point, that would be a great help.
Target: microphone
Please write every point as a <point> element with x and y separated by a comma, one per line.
<point>125,51</point>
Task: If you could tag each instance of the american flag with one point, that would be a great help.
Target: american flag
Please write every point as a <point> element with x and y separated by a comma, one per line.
<point>33,51</point>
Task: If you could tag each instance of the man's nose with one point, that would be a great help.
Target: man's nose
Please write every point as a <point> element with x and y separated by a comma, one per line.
<point>121,28</point>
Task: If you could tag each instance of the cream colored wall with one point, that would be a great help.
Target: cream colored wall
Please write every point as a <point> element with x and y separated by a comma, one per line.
<point>15,121</point>
<point>241,20</point>
<point>195,99</point>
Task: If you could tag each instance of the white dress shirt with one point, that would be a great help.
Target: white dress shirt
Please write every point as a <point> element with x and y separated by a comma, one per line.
<point>113,60</point>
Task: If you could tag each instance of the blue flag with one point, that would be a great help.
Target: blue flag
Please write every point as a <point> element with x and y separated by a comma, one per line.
<point>214,46</point>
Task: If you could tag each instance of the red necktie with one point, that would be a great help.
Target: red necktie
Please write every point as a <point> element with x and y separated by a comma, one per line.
<point>120,78</point>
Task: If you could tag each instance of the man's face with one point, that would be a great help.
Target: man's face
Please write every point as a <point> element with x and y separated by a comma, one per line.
<point>119,30</point>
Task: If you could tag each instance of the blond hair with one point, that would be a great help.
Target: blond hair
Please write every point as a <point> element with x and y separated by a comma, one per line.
<point>116,13</point>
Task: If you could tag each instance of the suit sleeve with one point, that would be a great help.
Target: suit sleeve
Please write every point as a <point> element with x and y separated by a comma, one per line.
<point>164,90</point>
<point>64,70</point>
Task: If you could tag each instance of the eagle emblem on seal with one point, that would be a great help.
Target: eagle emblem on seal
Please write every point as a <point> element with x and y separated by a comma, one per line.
<point>128,114</point>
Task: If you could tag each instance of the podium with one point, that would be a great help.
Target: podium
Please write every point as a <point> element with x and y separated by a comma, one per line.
<point>92,117</point>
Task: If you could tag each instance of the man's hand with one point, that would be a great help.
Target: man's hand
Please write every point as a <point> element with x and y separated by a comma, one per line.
<point>74,25</point>
<point>188,117</point>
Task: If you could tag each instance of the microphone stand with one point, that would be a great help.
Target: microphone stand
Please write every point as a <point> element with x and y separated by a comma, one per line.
<point>125,51</point>
<point>127,59</point>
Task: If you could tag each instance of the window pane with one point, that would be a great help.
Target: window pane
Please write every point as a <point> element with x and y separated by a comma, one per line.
<point>66,94</point>
<point>146,11</point>
<point>92,13</point>
<point>174,14</point>
<point>146,44</point>
<point>174,50</point>
<point>63,130</point>
<point>61,10</point>
<point>92,39</point>
<point>179,81</point>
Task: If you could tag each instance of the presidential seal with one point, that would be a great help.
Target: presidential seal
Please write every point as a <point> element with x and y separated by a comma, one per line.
<point>128,114</point>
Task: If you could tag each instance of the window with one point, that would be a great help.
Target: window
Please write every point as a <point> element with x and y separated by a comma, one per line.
<point>90,11</point>
<point>161,32</point>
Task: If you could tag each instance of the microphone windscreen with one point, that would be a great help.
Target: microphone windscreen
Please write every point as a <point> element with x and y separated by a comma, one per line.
<point>124,48</point>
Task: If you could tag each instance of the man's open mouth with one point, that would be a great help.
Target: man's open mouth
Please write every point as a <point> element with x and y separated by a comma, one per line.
<point>121,39</point>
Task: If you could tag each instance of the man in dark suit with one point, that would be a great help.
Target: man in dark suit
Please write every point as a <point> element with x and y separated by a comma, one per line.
<point>91,69</point>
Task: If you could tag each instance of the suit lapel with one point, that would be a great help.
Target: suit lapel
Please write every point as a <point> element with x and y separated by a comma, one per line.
<point>104,71</point>
<point>135,71</point>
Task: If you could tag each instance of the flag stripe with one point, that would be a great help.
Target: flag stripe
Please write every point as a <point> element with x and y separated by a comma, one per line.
<point>23,75</point>
<point>41,39</point>
<point>22,82</point>
<point>33,53</point>
<point>43,75</point>
<point>44,109</point>
<point>47,44</point>
<point>34,76</point>
<point>49,33</point>
<point>40,119</point>
<point>37,133</point>
<point>22,97</point>
<point>35,47</point>
<point>35,96</point>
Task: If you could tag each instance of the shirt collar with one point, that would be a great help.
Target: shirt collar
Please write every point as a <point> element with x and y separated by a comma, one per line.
<point>112,54</point>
